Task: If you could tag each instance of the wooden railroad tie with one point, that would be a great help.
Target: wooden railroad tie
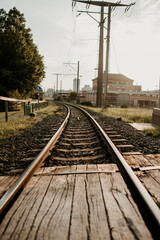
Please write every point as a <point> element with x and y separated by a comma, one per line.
<point>98,172</point>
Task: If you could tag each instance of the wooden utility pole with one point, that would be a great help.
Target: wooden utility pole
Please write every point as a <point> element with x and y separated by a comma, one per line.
<point>101,79</point>
<point>107,57</point>
<point>100,62</point>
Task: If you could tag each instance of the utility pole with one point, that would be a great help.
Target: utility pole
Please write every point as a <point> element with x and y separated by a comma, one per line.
<point>77,82</point>
<point>107,57</point>
<point>60,86</point>
<point>100,62</point>
<point>57,74</point>
<point>101,79</point>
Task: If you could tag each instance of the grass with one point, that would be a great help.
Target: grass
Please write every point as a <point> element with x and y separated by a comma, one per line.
<point>131,115</point>
<point>2,114</point>
<point>153,132</point>
<point>14,126</point>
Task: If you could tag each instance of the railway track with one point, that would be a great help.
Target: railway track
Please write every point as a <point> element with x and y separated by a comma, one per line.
<point>82,160</point>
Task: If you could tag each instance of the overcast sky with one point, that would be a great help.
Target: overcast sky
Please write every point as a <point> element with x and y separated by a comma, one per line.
<point>62,36</point>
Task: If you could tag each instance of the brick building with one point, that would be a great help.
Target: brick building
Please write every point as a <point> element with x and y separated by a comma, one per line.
<point>121,90</point>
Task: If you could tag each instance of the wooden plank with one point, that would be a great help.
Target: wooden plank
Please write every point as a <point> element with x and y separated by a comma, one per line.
<point>80,135</point>
<point>77,158</point>
<point>123,215</point>
<point>5,183</point>
<point>10,225</point>
<point>137,161</point>
<point>78,150</point>
<point>99,228</point>
<point>78,144</point>
<point>80,131</point>
<point>114,135</point>
<point>79,228</point>
<point>153,158</point>
<point>44,212</point>
<point>124,146</point>
<point>110,132</point>
<point>78,139</point>
<point>53,218</point>
<point>119,140</point>
<point>151,181</point>
<point>131,153</point>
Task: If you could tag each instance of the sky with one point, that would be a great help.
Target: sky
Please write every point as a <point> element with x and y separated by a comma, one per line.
<point>63,36</point>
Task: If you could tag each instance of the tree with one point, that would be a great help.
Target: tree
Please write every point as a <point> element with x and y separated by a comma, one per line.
<point>21,65</point>
<point>72,96</point>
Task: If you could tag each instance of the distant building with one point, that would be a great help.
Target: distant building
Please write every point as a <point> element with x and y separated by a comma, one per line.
<point>75,85</point>
<point>87,88</point>
<point>49,92</point>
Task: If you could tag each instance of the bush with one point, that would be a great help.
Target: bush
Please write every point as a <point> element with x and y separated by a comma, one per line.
<point>87,103</point>
<point>59,98</point>
<point>124,106</point>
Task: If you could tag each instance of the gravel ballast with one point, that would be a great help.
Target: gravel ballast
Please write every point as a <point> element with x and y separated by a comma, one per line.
<point>18,152</point>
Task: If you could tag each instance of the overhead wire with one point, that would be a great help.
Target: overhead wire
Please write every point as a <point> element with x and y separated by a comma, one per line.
<point>114,50</point>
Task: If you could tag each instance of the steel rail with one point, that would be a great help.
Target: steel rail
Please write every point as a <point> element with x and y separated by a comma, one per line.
<point>19,184</point>
<point>148,208</point>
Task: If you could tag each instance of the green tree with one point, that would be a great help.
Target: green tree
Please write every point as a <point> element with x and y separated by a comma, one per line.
<point>21,65</point>
<point>72,96</point>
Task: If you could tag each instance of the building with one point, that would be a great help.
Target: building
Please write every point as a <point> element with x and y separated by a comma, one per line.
<point>122,91</point>
<point>75,85</point>
<point>49,92</point>
<point>87,88</point>
<point>118,82</point>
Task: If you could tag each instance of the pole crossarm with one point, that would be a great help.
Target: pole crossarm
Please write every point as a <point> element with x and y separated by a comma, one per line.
<point>62,74</point>
<point>89,12</point>
<point>101,3</point>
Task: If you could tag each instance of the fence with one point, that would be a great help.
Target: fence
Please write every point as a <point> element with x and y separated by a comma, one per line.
<point>35,105</point>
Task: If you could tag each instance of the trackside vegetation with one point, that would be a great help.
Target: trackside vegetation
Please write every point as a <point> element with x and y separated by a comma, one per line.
<point>131,115</point>
<point>21,65</point>
<point>14,126</point>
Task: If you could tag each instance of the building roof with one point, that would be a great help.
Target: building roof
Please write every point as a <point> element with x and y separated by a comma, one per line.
<point>116,76</point>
